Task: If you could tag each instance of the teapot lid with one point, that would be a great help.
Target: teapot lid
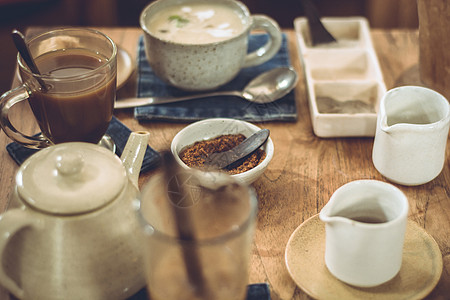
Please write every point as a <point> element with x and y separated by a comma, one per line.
<point>71,178</point>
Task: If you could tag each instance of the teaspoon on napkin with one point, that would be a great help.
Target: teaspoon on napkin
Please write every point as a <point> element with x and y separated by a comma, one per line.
<point>265,88</point>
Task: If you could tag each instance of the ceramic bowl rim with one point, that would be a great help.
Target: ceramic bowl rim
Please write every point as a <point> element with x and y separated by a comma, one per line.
<point>244,12</point>
<point>268,146</point>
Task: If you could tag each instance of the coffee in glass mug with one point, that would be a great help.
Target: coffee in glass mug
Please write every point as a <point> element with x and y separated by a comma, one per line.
<point>79,70</point>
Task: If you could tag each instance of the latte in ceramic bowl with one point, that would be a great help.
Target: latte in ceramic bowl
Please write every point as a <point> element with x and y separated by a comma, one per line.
<point>199,45</point>
<point>196,23</point>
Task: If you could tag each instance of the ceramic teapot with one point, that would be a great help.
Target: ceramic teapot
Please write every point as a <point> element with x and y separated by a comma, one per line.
<point>71,232</point>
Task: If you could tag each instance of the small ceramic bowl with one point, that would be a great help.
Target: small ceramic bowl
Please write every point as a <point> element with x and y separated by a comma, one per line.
<point>343,80</point>
<point>211,128</point>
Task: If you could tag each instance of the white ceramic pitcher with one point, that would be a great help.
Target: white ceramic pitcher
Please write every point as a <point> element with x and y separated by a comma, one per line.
<point>71,232</point>
<point>411,135</point>
<point>365,224</point>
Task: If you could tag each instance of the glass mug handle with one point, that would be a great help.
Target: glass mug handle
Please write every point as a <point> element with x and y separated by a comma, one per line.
<point>7,100</point>
<point>268,50</point>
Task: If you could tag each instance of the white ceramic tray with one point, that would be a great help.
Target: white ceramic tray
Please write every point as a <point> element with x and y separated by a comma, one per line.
<point>344,79</point>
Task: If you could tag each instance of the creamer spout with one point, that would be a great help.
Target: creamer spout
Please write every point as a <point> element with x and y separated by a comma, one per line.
<point>324,214</point>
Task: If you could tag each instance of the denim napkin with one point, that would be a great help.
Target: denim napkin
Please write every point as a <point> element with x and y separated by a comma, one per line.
<point>257,291</point>
<point>116,130</point>
<point>150,85</point>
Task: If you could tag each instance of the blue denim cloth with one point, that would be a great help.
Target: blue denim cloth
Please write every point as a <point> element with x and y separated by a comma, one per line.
<point>257,291</point>
<point>116,130</point>
<point>149,85</point>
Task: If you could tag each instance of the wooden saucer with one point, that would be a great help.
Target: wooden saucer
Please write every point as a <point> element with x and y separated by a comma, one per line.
<point>305,260</point>
<point>125,66</point>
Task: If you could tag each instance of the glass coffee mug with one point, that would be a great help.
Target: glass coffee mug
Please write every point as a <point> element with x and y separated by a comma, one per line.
<point>76,100</point>
<point>213,262</point>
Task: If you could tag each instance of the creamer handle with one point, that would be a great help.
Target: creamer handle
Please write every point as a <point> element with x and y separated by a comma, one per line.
<point>12,222</point>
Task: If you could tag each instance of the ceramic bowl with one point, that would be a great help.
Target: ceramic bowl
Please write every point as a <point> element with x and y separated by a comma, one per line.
<point>211,128</point>
<point>344,79</point>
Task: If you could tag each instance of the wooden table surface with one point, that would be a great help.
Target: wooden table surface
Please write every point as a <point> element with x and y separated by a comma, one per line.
<point>305,170</point>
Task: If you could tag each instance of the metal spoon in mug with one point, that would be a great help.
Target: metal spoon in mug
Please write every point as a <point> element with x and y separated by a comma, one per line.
<point>21,45</point>
<point>265,88</point>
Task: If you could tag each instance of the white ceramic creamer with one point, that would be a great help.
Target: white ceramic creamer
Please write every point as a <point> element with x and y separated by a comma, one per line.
<point>365,224</point>
<point>411,135</point>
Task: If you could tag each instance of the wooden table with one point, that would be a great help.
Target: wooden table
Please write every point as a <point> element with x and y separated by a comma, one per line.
<point>305,169</point>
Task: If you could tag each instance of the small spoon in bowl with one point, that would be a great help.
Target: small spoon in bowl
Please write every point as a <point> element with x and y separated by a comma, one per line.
<point>265,88</point>
<point>222,160</point>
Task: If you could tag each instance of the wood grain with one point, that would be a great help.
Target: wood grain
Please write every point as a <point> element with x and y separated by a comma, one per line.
<point>305,169</point>
<point>434,42</point>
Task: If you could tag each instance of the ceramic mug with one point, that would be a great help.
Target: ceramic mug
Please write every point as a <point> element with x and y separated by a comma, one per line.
<point>365,229</point>
<point>73,99</point>
<point>411,135</point>
<point>210,55</point>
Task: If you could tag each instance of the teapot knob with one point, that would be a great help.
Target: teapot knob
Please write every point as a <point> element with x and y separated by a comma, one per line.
<point>70,163</point>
